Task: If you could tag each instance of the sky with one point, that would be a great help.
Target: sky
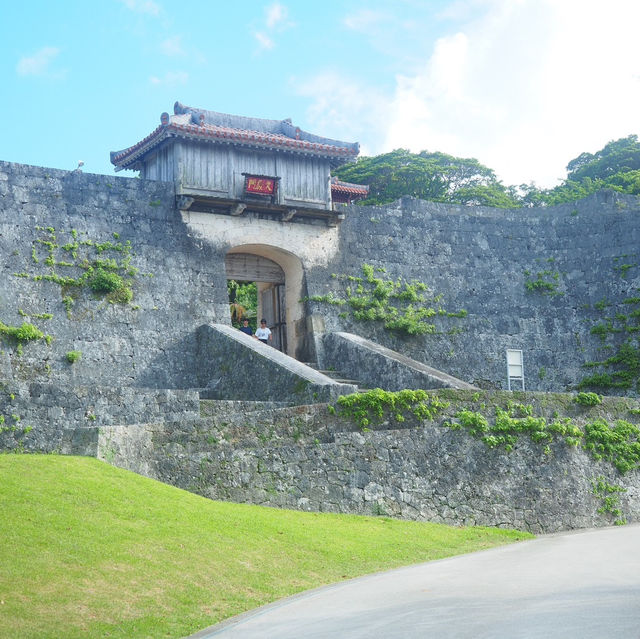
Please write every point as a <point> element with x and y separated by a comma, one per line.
<point>523,86</point>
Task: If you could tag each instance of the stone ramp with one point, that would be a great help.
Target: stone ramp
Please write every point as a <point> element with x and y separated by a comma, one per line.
<point>376,366</point>
<point>236,366</point>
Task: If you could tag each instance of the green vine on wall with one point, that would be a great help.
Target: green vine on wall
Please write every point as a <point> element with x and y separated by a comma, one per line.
<point>609,495</point>
<point>75,264</point>
<point>104,268</point>
<point>512,422</point>
<point>371,407</point>
<point>618,331</point>
<point>545,282</point>
<point>400,305</point>
<point>11,425</point>
<point>502,427</point>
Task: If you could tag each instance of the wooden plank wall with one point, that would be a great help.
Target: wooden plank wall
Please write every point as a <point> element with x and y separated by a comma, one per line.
<point>245,267</point>
<point>304,181</point>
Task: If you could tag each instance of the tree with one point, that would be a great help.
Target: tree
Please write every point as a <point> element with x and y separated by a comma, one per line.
<point>618,156</point>
<point>616,166</point>
<point>444,178</point>
<point>429,176</point>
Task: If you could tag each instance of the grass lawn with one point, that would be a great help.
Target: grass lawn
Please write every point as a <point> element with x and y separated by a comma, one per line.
<point>89,550</point>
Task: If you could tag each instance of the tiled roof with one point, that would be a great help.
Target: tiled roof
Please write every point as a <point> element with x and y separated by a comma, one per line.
<point>208,126</point>
<point>348,187</point>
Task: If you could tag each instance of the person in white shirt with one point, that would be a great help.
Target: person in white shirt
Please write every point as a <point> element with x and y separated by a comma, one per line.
<point>263,333</point>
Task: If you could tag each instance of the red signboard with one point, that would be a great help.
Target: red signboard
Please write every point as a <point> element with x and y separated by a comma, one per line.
<point>260,185</point>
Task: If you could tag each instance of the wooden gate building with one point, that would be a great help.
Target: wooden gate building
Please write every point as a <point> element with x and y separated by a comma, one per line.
<point>230,164</point>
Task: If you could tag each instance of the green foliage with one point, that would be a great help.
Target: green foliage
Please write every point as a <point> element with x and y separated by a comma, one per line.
<point>617,444</point>
<point>67,301</point>
<point>443,178</point>
<point>122,295</point>
<point>609,494</point>
<point>511,422</point>
<point>23,333</point>
<point>618,156</point>
<point>105,281</point>
<point>401,306</point>
<point>546,283</point>
<point>616,166</point>
<point>622,369</point>
<point>588,399</point>
<point>243,302</point>
<point>73,356</point>
<point>372,406</point>
<point>101,273</point>
<point>429,176</point>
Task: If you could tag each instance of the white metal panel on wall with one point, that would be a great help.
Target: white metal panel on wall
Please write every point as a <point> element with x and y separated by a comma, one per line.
<point>515,368</point>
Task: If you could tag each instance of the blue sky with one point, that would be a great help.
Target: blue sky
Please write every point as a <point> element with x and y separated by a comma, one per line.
<point>522,85</point>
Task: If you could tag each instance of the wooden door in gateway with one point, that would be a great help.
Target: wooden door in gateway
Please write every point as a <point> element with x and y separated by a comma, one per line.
<point>273,310</point>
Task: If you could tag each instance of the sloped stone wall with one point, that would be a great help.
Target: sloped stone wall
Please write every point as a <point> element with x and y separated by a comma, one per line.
<point>478,259</point>
<point>306,458</point>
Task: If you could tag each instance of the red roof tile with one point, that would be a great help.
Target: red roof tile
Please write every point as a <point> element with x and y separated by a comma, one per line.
<point>127,158</point>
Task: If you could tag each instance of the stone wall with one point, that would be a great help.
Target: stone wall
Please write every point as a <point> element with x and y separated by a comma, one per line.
<point>237,366</point>
<point>375,366</point>
<point>478,259</point>
<point>180,281</point>
<point>49,418</point>
<point>309,459</point>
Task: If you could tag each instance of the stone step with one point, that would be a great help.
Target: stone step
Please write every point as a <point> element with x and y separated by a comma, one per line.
<point>337,376</point>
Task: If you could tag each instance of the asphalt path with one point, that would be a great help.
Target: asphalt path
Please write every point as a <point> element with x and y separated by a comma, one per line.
<point>582,584</point>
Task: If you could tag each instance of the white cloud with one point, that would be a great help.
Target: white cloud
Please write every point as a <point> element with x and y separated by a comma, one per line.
<point>276,14</point>
<point>142,6</point>
<point>525,87</point>
<point>343,108</point>
<point>170,78</point>
<point>39,63</point>
<point>276,20</point>
<point>172,47</point>
<point>264,41</point>
<point>365,20</point>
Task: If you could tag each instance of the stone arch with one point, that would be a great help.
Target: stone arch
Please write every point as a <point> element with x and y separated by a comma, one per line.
<point>275,266</point>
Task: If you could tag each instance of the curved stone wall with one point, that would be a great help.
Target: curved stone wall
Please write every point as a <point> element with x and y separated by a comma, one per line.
<point>307,459</point>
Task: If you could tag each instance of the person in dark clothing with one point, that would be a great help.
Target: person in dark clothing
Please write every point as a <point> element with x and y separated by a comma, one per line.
<point>245,328</point>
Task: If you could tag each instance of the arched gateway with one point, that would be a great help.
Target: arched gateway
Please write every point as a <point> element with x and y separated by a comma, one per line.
<point>253,185</point>
<point>279,278</point>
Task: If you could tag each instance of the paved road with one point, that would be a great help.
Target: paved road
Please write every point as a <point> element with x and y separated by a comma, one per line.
<point>583,584</point>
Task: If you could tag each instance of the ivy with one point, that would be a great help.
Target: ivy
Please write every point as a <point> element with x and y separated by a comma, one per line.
<point>372,406</point>
<point>24,333</point>
<point>588,399</point>
<point>105,275</point>
<point>617,444</point>
<point>400,305</point>
<point>546,283</point>
<point>609,494</point>
<point>619,331</point>
<point>510,423</point>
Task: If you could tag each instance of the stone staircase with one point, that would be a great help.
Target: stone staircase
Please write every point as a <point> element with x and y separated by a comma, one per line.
<point>339,377</point>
